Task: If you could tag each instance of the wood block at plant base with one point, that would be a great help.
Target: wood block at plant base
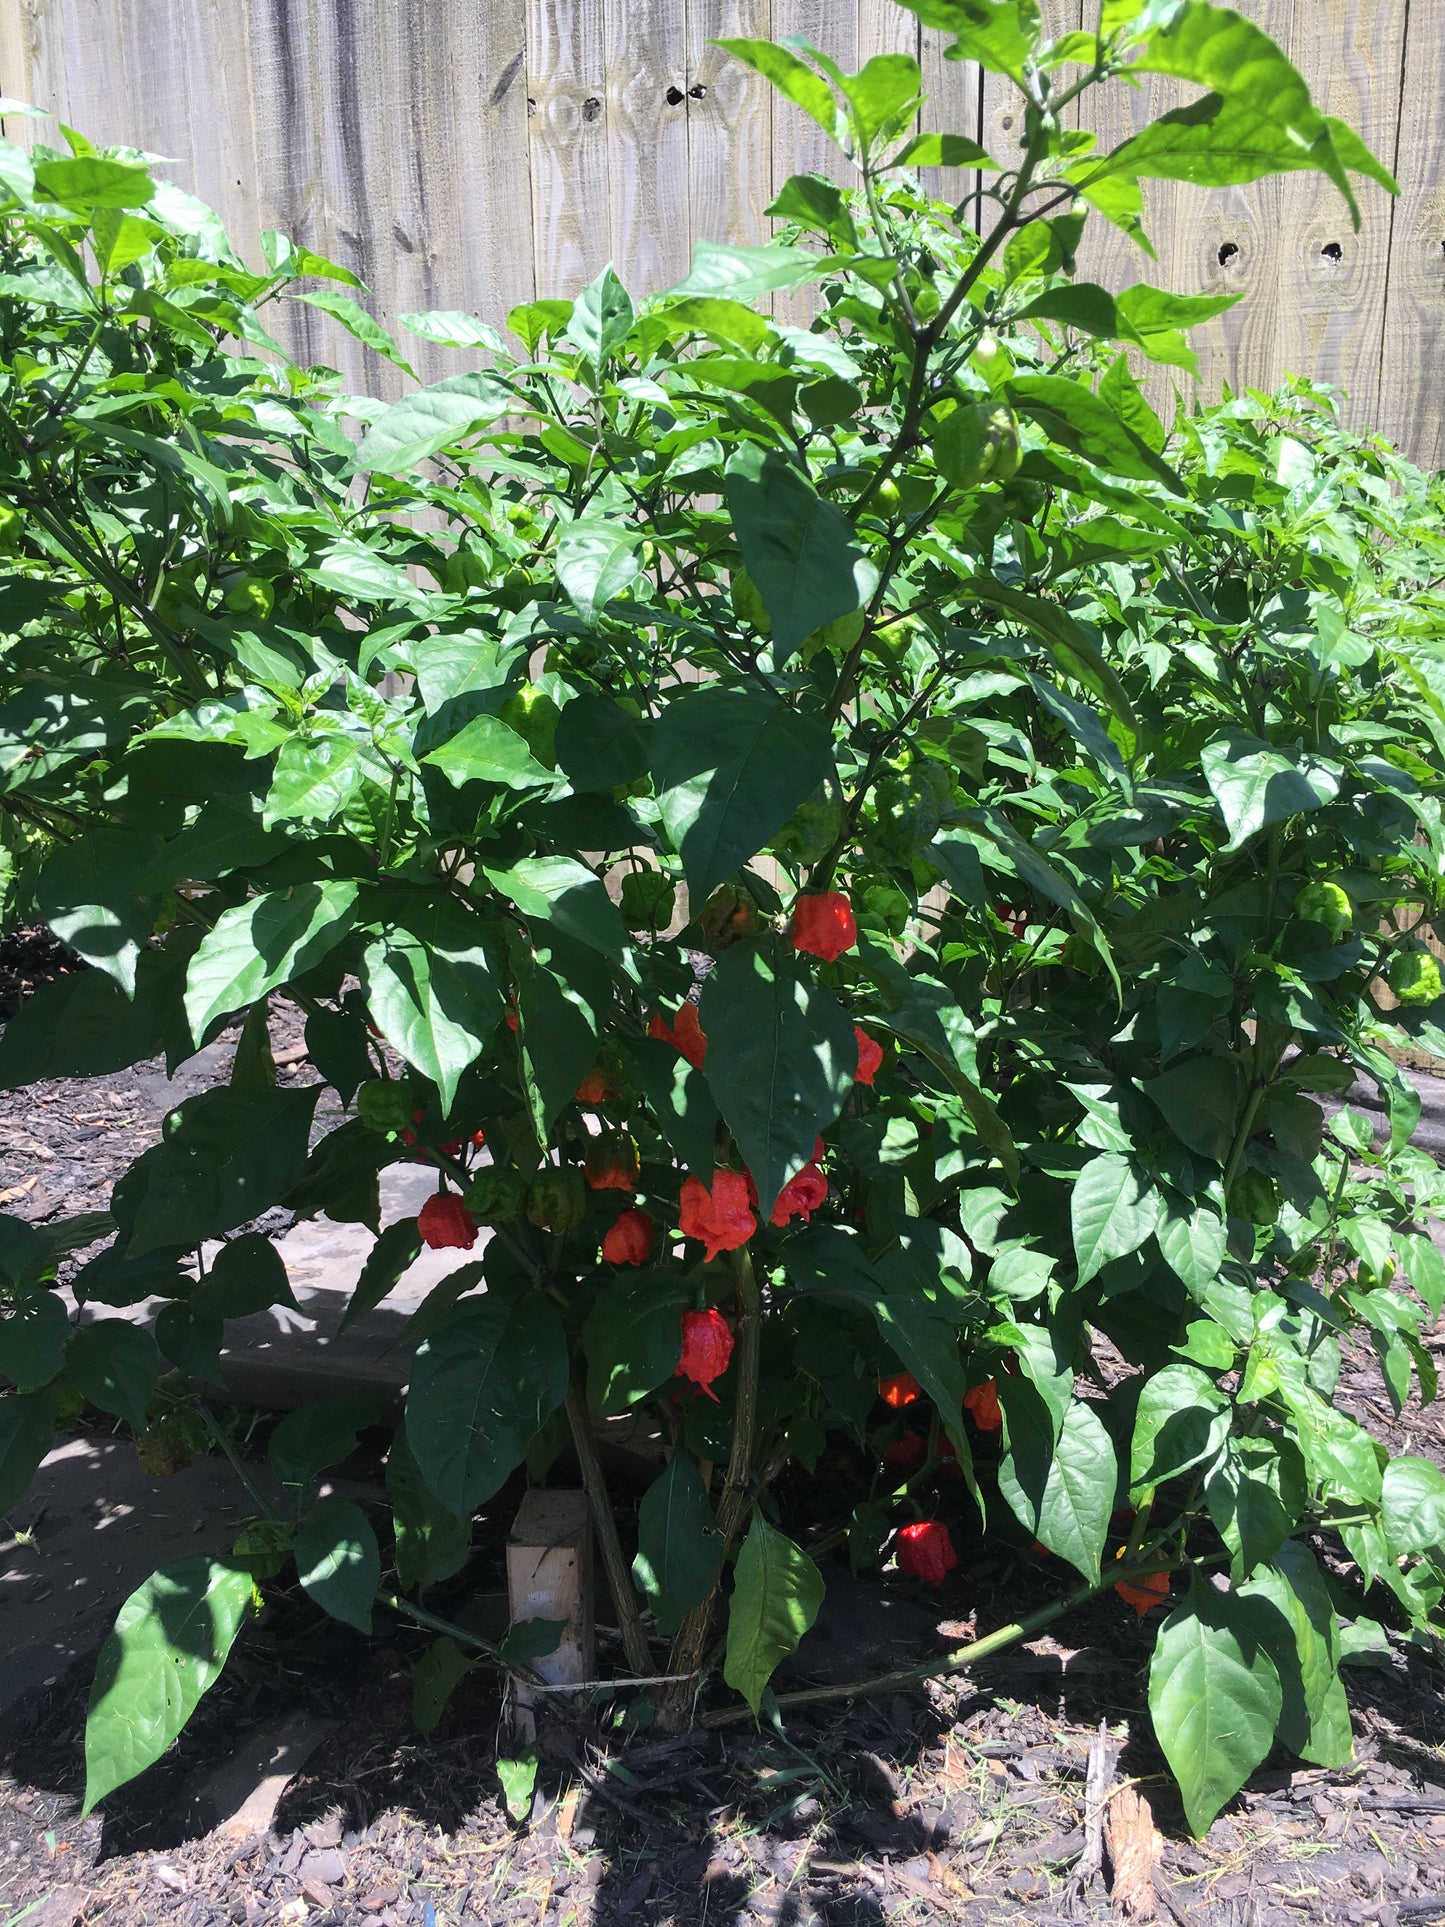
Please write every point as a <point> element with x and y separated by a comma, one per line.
<point>549,1576</point>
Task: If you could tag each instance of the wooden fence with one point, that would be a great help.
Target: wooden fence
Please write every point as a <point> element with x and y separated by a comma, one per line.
<point>470,154</point>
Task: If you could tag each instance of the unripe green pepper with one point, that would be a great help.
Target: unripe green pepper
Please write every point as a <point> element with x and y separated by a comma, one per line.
<point>557,1198</point>
<point>385,1104</point>
<point>533,714</point>
<point>1325,903</point>
<point>812,830</point>
<point>496,1195</point>
<point>1253,1196</point>
<point>251,596</point>
<point>1414,977</point>
<point>648,900</point>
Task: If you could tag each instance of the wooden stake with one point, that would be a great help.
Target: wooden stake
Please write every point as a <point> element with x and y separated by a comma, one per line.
<point>549,1576</point>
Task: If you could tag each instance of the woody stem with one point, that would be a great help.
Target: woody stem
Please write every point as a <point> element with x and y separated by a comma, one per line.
<point>609,1546</point>
<point>696,1624</point>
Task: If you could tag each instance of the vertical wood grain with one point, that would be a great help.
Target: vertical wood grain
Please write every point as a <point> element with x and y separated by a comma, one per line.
<point>1332,279</point>
<point>953,104</point>
<point>883,28</point>
<point>1411,394</point>
<point>647,141</point>
<point>567,103</point>
<point>729,125</point>
<point>17,61</point>
<point>799,144</point>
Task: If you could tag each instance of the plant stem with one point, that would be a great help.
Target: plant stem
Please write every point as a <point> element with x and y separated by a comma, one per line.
<point>696,1624</point>
<point>619,1579</point>
<point>959,1660</point>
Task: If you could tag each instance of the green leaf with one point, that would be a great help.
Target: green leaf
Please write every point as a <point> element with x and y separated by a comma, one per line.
<point>247,1275</point>
<point>354,318</point>
<point>92,182</point>
<point>449,328</point>
<point>1255,784</point>
<point>1062,1493</point>
<point>731,766</point>
<point>680,1101</point>
<point>339,1562</point>
<point>600,745</point>
<point>679,1547</point>
<point>1113,1210</point>
<point>633,1339</point>
<point>519,1782</point>
<point>481,1387</point>
<point>314,779</point>
<point>1200,1102</point>
<point>86,893</point>
<point>792,77</point>
<point>563,892</point>
<point>1215,1699</point>
<point>598,558</point>
<point>227,1156</point>
<point>1076,418</point>
<point>226,835</point>
<point>1294,1619</point>
<point>432,1543</point>
<point>32,1340</point>
<point>601,320</point>
<point>1192,1243</point>
<point>798,548</point>
<point>416,427</point>
<point>191,1341</point>
<point>487,750</point>
<point>83,1025</point>
<point>27,1426</point>
<point>114,1364</point>
<point>434,1678</point>
<point>743,273</point>
<point>395,1251</point>
<point>431,990</point>
<point>1001,35</point>
<point>781,1060</point>
<point>777,1591</point>
<point>884,95</point>
<point>257,945</point>
<point>1255,1492</point>
<point>944,150</point>
<point>170,1641</point>
<point>1413,1506</point>
<point>319,1435</point>
<point>1182,1420</point>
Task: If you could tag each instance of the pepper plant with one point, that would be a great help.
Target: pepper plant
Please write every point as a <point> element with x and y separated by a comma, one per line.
<point>854,850</point>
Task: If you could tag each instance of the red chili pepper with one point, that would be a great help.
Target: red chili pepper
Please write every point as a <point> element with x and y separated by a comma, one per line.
<point>900,1390</point>
<point>870,1057</point>
<point>907,1453</point>
<point>685,1034</point>
<point>630,1239</point>
<point>595,1088</point>
<point>707,1346</point>
<point>982,1402</point>
<point>801,1196</point>
<point>444,1221</point>
<point>1149,1591</point>
<point>720,1217</point>
<point>823,925</point>
<point>926,1552</point>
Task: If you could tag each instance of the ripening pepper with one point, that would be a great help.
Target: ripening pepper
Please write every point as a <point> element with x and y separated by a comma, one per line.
<point>900,1390</point>
<point>925,1551</point>
<point>601,1084</point>
<point>496,1195</point>
<point>721,1217</point>
<point>823,925</point>
<point>444,1222</point>
<point>728,915</point>
<point>707,1346</point>
<point>1145,1593</point>
<point>685,1035</point>
<point>982,1402</point>
<point>385,1104</point>
<point>557,1198</point>
<point>870,1058</point>
<point>611,1163</point>
<point>801,1196</point>
<point>630,1239</point>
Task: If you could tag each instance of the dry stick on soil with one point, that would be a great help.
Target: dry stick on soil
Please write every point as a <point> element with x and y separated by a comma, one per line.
<point>1096,1798</point>
<point>675,1706</point>
<point>1134,1849</point>
<point>619,1579</point>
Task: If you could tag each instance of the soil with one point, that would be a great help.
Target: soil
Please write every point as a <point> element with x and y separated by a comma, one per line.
<point>964,1801</point>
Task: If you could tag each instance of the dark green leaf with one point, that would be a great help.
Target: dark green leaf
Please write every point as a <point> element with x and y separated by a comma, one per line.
<point>114,1364</point>
<point>798,548</point>
<point>338,1561</point>
<point>252,948</point>
<point>777,1591</point>
<point>679,1547</point>
<point>319,1435</point>
<point>633,1339</point>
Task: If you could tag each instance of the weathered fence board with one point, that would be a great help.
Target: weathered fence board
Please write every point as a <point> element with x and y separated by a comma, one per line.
<point>466,156</point>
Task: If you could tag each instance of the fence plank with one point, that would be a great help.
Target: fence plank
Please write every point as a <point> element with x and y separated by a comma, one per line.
<point>1410,394</point>
<point>1331,280</point>
<point>729,125</point>
<point>647,141</point>
<point>567,95</point>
